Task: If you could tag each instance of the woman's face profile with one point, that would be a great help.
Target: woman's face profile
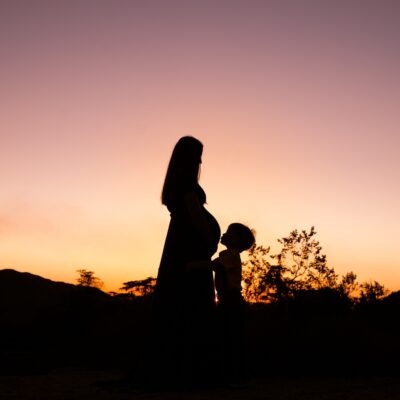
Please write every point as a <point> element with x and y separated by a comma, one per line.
<point>196,156</point>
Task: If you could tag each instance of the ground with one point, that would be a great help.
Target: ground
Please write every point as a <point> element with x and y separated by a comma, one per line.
<point>71,384</point>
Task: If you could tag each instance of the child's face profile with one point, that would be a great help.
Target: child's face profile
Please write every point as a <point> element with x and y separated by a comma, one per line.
<point>229,238</point>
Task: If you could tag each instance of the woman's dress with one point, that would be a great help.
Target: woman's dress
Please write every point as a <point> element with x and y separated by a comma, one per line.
<point>184,301</point>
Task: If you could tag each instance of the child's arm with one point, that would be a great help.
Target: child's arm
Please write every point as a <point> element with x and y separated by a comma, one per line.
<point>216,265</point>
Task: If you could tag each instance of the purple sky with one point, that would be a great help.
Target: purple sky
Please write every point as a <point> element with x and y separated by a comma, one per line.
<point>296,102</point>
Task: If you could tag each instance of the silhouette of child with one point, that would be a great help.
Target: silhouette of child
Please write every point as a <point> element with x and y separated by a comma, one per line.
<point>228,276</point>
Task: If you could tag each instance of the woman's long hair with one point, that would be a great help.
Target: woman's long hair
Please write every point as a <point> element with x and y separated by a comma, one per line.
<point>183,168</point>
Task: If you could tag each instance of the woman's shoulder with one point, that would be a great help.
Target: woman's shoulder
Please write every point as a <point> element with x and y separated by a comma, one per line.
<point>187,193</point>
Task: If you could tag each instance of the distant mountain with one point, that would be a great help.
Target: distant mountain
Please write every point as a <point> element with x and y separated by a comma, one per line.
<point>25,297</point>
<point>54,320</point>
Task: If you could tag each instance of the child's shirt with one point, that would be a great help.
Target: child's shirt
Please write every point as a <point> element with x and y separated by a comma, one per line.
<point>228,272</point>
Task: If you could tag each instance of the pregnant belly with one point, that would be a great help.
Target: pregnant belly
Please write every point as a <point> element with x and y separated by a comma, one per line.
<point>215,232</point>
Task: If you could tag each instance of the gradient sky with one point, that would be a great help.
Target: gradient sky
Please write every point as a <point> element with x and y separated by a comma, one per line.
<point>296,103</point>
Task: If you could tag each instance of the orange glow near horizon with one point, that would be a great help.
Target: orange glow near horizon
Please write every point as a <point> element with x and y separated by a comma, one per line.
<point>296,105</point>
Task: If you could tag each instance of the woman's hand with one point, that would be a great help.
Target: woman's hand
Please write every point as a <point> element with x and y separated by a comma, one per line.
<point>197,265</point>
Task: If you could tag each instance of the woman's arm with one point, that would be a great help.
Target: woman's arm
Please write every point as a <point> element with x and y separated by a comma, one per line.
<point>197,265</point>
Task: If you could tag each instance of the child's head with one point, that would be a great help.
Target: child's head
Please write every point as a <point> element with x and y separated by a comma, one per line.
<point>238,236</point>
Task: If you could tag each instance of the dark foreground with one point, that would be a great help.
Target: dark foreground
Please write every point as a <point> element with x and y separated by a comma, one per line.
<point>100,385</point>
<point>61,341</point>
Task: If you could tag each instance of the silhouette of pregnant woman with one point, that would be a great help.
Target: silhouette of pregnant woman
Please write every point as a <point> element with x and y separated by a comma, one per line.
<point>184,299</point>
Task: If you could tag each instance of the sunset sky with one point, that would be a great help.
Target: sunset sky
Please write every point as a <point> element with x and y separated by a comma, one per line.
<point>296,103</point>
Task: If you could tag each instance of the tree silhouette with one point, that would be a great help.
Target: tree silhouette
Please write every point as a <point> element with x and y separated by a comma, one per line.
<point>300,266</point>
<point>349,286</point>
<point>255,275</point>
<point>87,278</point>
<point>371,292</point>
<point>302,263</point>
<point>142,287</point>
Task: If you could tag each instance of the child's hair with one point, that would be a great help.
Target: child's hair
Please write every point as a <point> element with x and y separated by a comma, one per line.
<point>244,234</point>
